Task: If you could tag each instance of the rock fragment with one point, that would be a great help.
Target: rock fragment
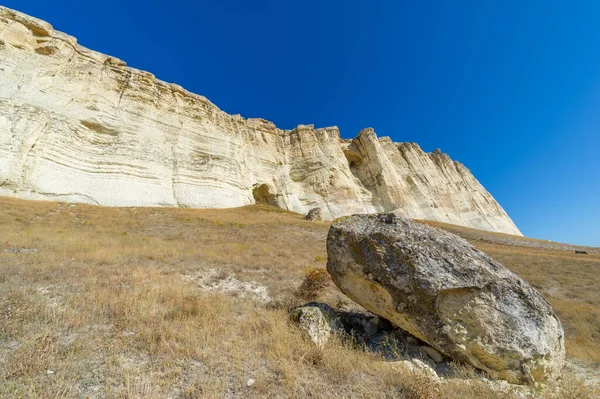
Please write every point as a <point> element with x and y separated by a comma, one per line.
<point>433,353</point>
<point>318,320</point>
<point>314,215</point>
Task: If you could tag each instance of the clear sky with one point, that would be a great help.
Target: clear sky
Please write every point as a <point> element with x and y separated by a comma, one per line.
<point>510,90</point>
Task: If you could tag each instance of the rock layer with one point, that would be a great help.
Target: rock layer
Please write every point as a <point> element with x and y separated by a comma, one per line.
<point>444,291</point>
<point>80,126</point>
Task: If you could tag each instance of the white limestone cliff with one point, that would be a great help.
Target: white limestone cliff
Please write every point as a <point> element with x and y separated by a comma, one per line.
<point>80,126</point>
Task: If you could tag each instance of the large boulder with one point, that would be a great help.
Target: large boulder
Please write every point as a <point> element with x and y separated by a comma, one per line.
<point>441,289</point>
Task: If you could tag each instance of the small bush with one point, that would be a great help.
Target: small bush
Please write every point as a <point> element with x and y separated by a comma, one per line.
<point>316,280</point>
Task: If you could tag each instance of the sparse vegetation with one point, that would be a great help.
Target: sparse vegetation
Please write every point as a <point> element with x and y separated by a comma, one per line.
<point>91,312</point>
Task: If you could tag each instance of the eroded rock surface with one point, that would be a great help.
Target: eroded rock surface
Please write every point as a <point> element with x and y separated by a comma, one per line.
<point>80,126</point>
<point>444,291</point>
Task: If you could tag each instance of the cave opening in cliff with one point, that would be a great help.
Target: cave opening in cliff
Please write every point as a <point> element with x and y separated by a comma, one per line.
<point>353,157</point>
<point>262,194</point>
<point>354,160</point>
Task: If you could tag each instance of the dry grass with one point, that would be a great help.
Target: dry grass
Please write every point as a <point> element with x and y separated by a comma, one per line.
<point>114,303</point>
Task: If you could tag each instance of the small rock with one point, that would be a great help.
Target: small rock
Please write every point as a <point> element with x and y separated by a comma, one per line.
<point>314,215</point>
<point>416,366</point>
<point>49,372</point>
<point>21,250</point>
<point>251,381</point>
<point>433,353</point>
<point>318,320</point>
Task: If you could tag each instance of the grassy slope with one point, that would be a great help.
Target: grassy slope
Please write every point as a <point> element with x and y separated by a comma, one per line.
<point>113,302</point>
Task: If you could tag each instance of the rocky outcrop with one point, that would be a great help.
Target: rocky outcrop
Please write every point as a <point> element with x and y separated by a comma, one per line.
<point>314,215</point>
<point>80,126</point>
<point>447,293</point>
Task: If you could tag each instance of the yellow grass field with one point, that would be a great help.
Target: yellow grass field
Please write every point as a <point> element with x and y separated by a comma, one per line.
<point>186,303</point>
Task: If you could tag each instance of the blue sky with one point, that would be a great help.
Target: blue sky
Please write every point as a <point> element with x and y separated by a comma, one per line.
<point>511,90</point>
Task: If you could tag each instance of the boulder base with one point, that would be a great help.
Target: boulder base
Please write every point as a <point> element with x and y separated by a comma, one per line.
<point>441,289</point>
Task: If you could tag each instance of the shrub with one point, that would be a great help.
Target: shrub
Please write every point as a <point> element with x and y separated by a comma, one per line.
<point>316,280</point>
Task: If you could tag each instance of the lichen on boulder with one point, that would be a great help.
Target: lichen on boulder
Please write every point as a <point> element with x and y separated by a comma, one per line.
<point>444,291</point>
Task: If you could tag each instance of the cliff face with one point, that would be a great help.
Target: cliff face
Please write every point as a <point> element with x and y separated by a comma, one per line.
<point>80,126</point>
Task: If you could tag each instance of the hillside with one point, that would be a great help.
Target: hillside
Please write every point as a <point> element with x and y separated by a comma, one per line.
<point>80,126</point>
<point>171,302</point>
